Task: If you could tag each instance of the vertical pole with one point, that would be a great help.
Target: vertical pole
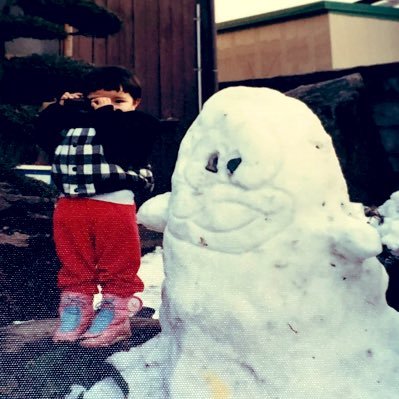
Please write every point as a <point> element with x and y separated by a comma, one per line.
<point>208,49</point>
<point>68,41</point>
<point>199,55</point>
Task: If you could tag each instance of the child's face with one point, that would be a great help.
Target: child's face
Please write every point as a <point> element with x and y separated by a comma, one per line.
<point>119,99</point>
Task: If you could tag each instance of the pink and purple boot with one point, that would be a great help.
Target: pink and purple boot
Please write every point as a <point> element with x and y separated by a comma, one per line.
<point>76,314</point>
<point>112,323</point>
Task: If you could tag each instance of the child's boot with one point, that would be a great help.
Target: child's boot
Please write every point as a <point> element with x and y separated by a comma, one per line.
<point>112,323</point>
<point>76,314</point>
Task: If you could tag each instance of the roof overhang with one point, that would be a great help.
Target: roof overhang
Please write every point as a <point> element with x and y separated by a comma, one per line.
<point>310,10</point>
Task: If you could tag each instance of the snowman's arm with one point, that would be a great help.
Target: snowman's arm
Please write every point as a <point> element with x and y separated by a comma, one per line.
<point>357,240</point>
<point>153,213</point>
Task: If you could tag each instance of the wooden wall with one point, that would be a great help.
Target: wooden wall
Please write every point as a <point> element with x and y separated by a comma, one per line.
<point>158,40</point>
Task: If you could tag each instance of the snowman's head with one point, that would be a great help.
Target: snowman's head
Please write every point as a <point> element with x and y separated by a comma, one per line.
<point>242,166</point>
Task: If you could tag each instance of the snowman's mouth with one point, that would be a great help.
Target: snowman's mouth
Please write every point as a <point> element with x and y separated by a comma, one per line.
<point>226,216</point>
<point>230,219</point>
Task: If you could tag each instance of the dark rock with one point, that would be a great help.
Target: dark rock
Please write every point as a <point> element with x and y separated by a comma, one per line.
<point>386,113</point>
<point>390,139</point>
<point>32,366</point>
<point>149,239</point>
<point>391,264</point>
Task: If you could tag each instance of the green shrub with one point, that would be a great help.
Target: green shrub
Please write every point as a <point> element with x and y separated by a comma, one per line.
<point>89,18</point>
<point>12,27</point>
<point>17,144</point>
<point>24,185</point>
<point>38,78</point>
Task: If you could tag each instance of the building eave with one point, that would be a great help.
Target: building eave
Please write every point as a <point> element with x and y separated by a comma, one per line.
<point>310,10</point>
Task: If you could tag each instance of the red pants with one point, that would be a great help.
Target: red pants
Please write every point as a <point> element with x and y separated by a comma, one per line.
<point>97,242</point>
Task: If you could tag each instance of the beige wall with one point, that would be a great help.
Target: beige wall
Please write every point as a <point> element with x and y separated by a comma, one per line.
<point>363,41</point>
<point>286,48</point>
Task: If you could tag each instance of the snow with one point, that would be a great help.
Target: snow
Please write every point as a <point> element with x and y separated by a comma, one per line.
<point>105,389</point>
<point>272,289</point>
<point>151,272</point>
<point>389,230</point>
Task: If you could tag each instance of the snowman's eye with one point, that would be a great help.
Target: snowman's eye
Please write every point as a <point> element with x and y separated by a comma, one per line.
<point>233,164</point>
<point>212,165</point>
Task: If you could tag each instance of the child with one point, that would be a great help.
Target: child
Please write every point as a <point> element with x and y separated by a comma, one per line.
<point>101,146</point>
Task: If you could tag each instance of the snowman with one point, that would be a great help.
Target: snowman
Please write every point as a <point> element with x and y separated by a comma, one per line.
<point>272,289</point>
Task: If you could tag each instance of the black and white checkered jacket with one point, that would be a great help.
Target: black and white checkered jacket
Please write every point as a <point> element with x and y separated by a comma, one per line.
<point>109,153</point>
<point>80,168</point>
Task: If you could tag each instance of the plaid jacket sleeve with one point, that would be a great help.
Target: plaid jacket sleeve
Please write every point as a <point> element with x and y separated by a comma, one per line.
<point>143,177</point>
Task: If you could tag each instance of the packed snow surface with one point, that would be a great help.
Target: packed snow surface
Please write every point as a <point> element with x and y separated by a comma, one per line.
<point>272,289</point>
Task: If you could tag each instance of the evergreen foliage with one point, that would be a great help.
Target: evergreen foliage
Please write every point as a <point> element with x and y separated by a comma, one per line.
<point>38,78</point>
<point>16,141</point>
<point>26,82</point>
<point>89,18</point>
<point>12,27</point>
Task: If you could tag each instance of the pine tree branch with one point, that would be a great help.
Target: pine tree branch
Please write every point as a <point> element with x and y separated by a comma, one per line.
<point>38,78</point>
<point>84,15</point>
<point>12,27</point>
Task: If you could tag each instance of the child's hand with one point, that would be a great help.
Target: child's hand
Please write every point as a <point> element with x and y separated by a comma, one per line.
<point>99,102</point>
<point>69,96</point>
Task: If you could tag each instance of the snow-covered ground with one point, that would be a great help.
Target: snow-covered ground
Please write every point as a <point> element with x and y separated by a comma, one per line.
<point>151,272</point>
<point>272,289</point>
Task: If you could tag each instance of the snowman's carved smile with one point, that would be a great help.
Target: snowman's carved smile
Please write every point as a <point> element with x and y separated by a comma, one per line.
<point>228,217</point>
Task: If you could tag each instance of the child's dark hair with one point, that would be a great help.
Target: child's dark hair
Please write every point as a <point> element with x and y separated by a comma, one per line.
<point>112,78</point>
